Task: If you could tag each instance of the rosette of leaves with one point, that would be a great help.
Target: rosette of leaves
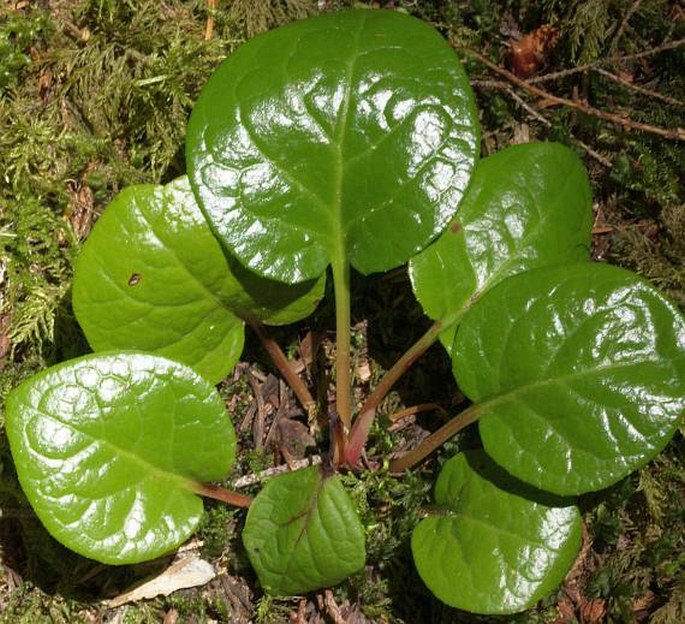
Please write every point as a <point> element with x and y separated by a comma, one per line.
<point>350,140</point>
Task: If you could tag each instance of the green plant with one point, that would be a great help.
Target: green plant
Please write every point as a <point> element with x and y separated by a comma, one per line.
<point>351,140</point>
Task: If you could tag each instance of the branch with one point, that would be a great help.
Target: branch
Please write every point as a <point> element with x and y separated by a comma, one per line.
<point>624,24</point>
<point>639,89</point>
<point>616,60</point>
<point>674,134</point>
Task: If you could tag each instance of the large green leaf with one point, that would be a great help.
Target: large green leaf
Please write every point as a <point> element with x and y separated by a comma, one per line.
<point>344,137</point>
<point>109,449</point>
<point>579,371</point>
<point>494,545</point>
<point>527,206</point>
<point>151,276</point>
<point>302,533</point>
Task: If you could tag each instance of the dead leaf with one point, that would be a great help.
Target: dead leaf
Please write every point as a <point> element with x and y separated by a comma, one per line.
<point>293,437</point>
<point>593,612</point>
<point>188,572</point>
<point>529,53</point>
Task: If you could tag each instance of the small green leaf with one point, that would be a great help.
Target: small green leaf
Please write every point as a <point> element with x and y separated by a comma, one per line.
<point>302,533</point>
<point>151,276</point>
<point>109,449</point>
<point>526,206</point>
<point>579,372</point>
<point>495,546</point>
<point>347,137</point>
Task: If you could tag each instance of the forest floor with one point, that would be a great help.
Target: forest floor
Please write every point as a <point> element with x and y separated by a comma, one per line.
<point>95,95</point>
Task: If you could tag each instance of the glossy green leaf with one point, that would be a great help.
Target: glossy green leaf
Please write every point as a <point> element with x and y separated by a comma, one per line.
<point>494,545</point>
<point>252,296</point>
<point>109,449</point>
<point>527,206</point>
<point>302,533</point>
<point>579,371</point>
<point>345,137</point>
<point>151,276</point>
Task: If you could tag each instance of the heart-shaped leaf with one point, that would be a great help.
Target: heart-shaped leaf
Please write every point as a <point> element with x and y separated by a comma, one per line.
<point>527,206</point>
<point>151,276</point>
<point>302,533</point>
<point>110,448</point>
<point>495,545</point>
<point>347,137</point>
<point>579,372</point>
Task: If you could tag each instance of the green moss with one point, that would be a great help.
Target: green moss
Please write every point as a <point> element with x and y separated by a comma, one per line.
<point>19,33</point>
<point>256,16</point>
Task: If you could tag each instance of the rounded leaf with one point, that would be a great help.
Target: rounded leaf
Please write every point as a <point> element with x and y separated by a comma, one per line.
<point>151,276</point>
<point>495,545</point>
<point>579,371</point>
<point>526,206</point>
<point>348,136</point>
<point>302,533</point>
<point>108,449</point>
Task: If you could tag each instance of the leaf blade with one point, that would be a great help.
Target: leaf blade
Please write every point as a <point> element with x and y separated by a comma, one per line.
<point>526,206</point>
<point>497,546</point>
<point>297,165</point>
<point>151,276</point>
<point>107,448</point>
<point>302,533</point>
<point>581,377</point>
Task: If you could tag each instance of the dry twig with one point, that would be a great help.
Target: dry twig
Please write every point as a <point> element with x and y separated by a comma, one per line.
<point>537,115</point>
<point>209,26</point>
<point>624,24</point>
<point>674,134</point>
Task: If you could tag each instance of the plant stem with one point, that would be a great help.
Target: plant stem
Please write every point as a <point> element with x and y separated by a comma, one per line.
<point>283,364</point>
<point>436,439</point>
<point>222,494</point>
<point>343,382</point>
<point>360,432</point>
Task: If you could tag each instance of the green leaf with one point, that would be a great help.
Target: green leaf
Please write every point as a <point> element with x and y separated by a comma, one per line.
<point>252,296</point>
<point>579,373</point>
<point>110,448</point>
<point>494,546</point>
<point>152,277</point>
<point>347,137</point>
<point>527,206</point>
<point>302,533</point>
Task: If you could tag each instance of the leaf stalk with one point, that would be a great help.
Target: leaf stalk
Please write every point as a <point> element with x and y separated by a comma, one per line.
<point>222,494</point>
<point>362,425</point>
<point>343,380</point>
<point>283,364</point>
<point>437,439</point>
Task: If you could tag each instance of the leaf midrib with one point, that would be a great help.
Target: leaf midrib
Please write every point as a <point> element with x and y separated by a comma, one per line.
<point>339,249</point>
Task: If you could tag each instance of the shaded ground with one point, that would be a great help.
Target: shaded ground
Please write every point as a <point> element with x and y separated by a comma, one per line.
<point>94,95</point>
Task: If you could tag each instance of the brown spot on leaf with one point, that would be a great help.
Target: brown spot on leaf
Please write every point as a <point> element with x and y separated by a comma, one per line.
<point>134,280</point>
<point>455,228</point>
